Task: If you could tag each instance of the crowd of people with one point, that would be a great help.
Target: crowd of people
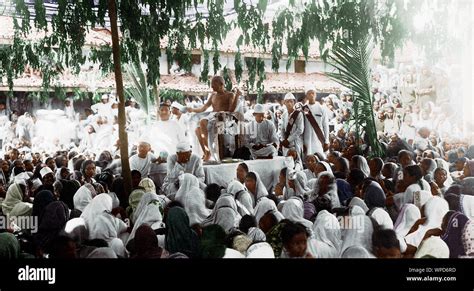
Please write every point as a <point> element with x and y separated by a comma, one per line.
<point>333,198</point>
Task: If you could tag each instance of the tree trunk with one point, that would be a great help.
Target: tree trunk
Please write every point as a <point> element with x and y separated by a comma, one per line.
<point>126,174</point>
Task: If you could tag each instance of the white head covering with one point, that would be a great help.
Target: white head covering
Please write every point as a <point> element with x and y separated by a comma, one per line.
<point>256,234</point>
<point>261,250</point>
<point>82,198</point>
<point>44,171</point>
<point>356,252</point>
<point>98,205</point>
<point>177,105</point>
<point>107,227</point>
<point>14,196</point>
<point>358,232</point>
<point>260,189</point>
<point>327,230</point>
<point>148,185</point>
<point>192,198</point>
<point>356,201</point>
<point>102,253</point>
<point>466,205</point>
<point>263,206</point>
<point>293,210</point>
<point>406,219</point>
<point>382,218</point>
<point>363,165</point>
<point>433,246</point>
<point>183,146</point>
<point>289,96</point>
<point>225,213</point>
<point>22,178</point>
<point>148,212</point>
<point>435,210</point>
<point>259,108</point>
<point>233,254</point>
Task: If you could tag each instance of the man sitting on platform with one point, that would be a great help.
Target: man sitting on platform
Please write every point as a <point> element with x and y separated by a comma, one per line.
<point>263,139</point>
<point>221,101</point>
<point>182,162</point>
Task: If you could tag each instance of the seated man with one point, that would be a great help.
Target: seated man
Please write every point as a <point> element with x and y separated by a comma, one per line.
<point>221,100</point>
<point>182,162</point>
<point>143,159</point>
<point>263,139</point>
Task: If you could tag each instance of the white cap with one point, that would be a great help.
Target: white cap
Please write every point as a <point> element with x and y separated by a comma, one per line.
<point>177,105</point>
<point>289,96</point>
<point>259,108</point>
<point>44,171</point>
<point>105,96</point>
<point>261,250</point>
<point>183,147</point>
<point>309,88</point>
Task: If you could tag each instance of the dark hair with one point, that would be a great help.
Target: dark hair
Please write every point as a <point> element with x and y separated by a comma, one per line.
<point>18,170</point>
<point>344,164</point>
<point>78,164</point>
<point>385,238</point>
<point>271,215</point>
<point>379,163</point>
<point>283,171</point>
<point>415,171</point>
<point>213,191</point>
<point>244,165</point>
<point>136,173</point>
<point>59,160</point>
<point>252,176</point>
<point>246,223</point>
<point>117,188</point>
<point>355,177</point>
<point>404,153</point>
<point>440,169</point>
<point>49,159</point>
<point>291,229</point>
<point>323,202</point>
<point>392,167</point>
<point>84,166</point>
<point>59,245</point>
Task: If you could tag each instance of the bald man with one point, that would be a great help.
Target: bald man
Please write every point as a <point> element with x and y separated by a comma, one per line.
<point>221,101</point>
<point>143,159</point>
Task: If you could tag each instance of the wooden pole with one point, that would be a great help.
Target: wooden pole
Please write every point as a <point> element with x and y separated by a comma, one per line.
<point>123,137</point>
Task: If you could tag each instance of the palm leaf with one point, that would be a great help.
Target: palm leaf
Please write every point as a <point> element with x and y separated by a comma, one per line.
<point>352,62</point>
<point>139,89</point>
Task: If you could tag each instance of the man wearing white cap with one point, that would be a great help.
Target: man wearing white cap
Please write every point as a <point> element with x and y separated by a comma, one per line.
<point>316,125</point>
<point>104,108</point>
<point>292,127</point>
<point>47,176</point>
<point>262,138</point>
<point>183,161</point>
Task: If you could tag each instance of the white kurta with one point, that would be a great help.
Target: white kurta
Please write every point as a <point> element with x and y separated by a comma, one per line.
<point>296,134</point>
<point>311,140</point>
<point>164,136</point>
<point>142,165</point>
<point>262,133</point>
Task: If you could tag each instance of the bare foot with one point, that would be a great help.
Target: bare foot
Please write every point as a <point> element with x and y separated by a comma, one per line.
<point>207,156</point>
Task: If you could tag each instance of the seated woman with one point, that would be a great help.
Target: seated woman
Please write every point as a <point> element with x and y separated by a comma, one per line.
<point>263,139</point>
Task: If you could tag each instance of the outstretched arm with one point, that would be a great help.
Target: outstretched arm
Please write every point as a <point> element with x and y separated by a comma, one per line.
<point>203,108</point>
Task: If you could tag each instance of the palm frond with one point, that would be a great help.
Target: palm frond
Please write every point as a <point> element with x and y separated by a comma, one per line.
<point>352,62</point>
<point>139,89</point>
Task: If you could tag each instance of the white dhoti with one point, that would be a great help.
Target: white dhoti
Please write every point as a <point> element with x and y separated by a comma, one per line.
<point>264,152</point>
